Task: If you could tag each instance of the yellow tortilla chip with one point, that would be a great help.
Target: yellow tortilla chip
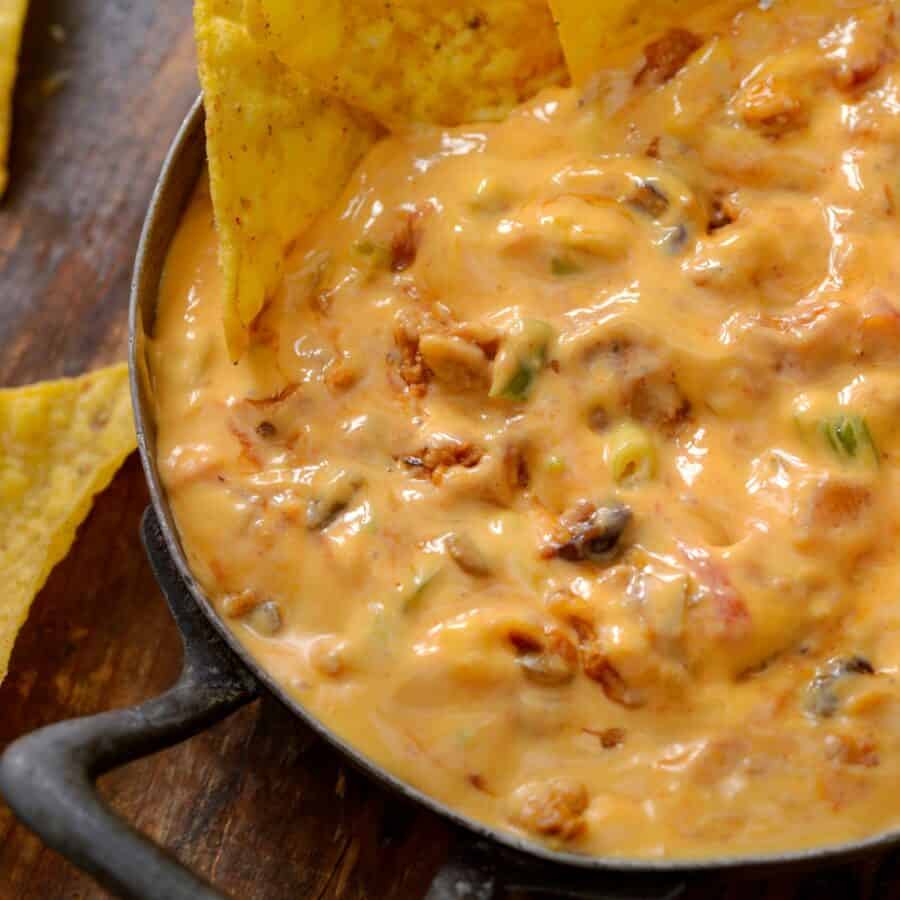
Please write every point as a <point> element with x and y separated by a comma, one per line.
<point>12,19</point>
<point>416,60</point>
<point>595,34</point>
<point>279,153</point>
<point>60,443</point>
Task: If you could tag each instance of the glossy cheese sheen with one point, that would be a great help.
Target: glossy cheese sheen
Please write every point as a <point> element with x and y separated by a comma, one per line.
<point>562,475</point>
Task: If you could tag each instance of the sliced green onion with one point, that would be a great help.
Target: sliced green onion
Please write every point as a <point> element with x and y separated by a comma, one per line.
<point>376,255</point>
<point>564,265</point>
<point>332,498</point>
<point>521,357</point>
<point>849,439</point>
<point>630,454</point>
<point>411,593</point>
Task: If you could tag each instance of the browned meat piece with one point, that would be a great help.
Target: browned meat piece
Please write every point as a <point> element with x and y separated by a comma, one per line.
<point>665,56</point>
<point>263,616</point>
<point>575,612</point>
<point>588,532</point>
<point>341,376</point>
<point>486,336</point>
<point>459,365</point>
<point>238,605</point>
<point>610,738</point>
<point>550,660</point>
<point>430,346</point>
<point>862,46</point>
<point>656,399</point>
<point>598,419</point>
<point>774,106</point>
<point>648,389</point>
<point>879,325</point>
<point>598,668</point>
<point>822,697</point>
<point>515,467</point>
<point>850,750</point>
<point>551,808</point>
<point>408,361</point>
<point>405,243</point>
<point>447,455</point>
<point>434,460</point>
<point>836,502</point>
<point>501,475</point>
<point>853,74</point>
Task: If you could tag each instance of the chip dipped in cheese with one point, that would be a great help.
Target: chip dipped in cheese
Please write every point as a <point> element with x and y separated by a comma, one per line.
<point>61,442</point>
<point>279,153</point>
<point>12,18</point>
<point>595,35</point>
<point>415,60</point>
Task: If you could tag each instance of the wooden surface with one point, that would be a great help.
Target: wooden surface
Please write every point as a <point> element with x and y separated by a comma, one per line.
<point>257,804</point>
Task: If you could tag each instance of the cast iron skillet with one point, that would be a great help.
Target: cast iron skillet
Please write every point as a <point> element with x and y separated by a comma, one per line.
<point>48,777</point>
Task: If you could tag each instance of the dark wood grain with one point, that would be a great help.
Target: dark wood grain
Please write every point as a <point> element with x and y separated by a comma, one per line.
<point>257,804</point>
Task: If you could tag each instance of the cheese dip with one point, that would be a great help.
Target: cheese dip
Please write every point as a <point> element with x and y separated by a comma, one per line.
<point>562,475</point>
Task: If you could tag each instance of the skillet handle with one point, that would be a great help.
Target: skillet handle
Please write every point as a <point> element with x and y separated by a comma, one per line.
<point>48,777</point>
<point>476,870</point>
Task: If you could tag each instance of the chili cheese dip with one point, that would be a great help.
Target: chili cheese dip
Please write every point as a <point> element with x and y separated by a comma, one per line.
<point>561,477</point>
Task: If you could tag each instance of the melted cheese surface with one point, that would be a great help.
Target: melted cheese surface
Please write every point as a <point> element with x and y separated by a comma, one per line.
<point>563,476</point>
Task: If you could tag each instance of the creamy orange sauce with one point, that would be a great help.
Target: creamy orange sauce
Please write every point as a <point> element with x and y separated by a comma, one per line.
<point>562,476</point>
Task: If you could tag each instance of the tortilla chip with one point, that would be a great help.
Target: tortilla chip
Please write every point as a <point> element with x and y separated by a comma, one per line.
<point>595,35</point>
<point>60,443</point>
<point>279,153</point>
<point>12,19</point>
<point>416,60</point>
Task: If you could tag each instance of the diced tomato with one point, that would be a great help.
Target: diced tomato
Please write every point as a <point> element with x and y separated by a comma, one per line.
<point>731,612</point>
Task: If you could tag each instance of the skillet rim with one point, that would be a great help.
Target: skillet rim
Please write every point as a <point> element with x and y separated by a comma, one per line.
<point>177,178</point>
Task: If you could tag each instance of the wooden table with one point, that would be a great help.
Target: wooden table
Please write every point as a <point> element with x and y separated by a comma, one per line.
<point>257,804</point>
